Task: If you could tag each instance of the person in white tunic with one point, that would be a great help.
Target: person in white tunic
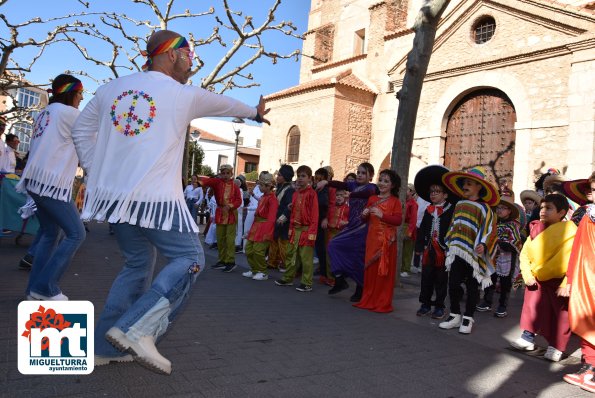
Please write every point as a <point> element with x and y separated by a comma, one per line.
<point>194,196</point>
<point>130,138</point>
<point>48,179</point>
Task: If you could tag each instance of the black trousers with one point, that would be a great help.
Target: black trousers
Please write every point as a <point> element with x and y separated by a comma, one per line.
<point>462,272</point>
<point>433,279</point>
<point>505,288</point>
<point>320,247</point>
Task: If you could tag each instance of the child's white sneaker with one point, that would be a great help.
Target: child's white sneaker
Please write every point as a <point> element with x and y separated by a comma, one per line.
<point>260,276</point>
<point>248,274</point>
<point>453,321</point>
<point>466,325</point>
<point>553,354</point>
<point>522,344</point>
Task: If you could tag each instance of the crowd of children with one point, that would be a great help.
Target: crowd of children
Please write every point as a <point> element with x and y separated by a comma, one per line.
<point>468,237</point>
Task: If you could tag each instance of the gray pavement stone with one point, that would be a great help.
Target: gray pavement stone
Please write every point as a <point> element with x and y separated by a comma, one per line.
<point>243,338</point>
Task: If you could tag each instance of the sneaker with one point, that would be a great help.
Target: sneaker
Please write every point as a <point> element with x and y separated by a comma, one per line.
<point>282,270</point>
<point>101,360</point>
<point>578,378</point>
<point>340,285</point>
<point>501,312</point>
<point>57,297</point>
<point>229,267</point>
<point>143,350</point>
<point>357,295</point>
<point>483,307</point>
<point>553,354</point>
<point>218,265</point>
<point>404,274</point>
<point>281,282</point>
<point>438,313</point>
<point>415,270</point>
<point>523,345</point>
<point>453,321</point>
<point>466,325</point>
<point>260,276</point>
<point>26,262</point>
<point>303,288</point>
<point>589,383</point>
<point>248,274</point>
<point>239,249</point>
<point>423,310</point>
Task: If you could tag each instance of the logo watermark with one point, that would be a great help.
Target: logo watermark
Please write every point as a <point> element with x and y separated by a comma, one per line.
<point>56,337</point>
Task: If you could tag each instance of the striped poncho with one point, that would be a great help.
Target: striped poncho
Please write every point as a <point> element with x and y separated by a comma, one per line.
<point>473,223</point>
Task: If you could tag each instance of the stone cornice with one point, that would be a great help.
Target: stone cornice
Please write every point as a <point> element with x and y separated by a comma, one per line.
<point>339,63</point>
<point>565,49</point>
<point>377,5</point>
<point>398,33</point>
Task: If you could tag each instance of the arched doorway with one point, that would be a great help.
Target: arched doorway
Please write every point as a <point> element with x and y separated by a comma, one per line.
<point>480,132</point>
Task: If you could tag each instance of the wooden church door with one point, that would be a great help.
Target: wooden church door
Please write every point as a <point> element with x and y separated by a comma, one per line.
<point>480,132</point>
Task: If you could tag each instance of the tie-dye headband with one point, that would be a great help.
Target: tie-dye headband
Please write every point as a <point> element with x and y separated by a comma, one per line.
<point>75,86</point>
<point>176,42</point>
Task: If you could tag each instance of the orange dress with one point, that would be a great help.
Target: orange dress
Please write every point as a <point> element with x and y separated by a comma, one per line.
<point>581,278</point>
<point>381,255</point>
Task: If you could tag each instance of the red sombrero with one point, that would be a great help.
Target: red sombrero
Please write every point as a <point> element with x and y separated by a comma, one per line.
<point>577,190</point>
<point>454,181</point>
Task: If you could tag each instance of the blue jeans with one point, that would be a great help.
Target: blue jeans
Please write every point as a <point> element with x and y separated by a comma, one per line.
<point>52,258</point>
<point>137,304</point>
<point>193,209</point>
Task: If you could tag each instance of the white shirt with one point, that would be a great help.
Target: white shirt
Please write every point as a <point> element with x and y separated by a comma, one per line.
<point>130,138</point>
<point>52,163</point>
<point>8,160</point>
<point>195,194</point>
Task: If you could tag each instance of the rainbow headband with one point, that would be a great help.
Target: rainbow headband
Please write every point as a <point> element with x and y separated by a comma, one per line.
<point>78,86</point>
<point>171,44</point>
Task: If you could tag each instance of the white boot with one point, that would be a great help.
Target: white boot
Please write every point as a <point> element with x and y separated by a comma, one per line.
<point>466,325</point>
<point>453,321</point>
<point>143,350</point>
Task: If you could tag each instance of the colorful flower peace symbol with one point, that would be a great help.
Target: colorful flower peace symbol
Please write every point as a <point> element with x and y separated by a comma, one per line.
<point>125,120</point>
<point>41,123</point>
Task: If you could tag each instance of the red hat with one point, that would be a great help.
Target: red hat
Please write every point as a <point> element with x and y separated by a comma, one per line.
<point>454,181</point>
<point>576,190</point>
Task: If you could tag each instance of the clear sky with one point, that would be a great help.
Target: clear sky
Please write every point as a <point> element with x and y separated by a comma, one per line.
<point>64,56</point>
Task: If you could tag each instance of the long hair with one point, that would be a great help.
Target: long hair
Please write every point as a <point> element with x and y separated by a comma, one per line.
<point>66,98</point>
<point>394,179</point>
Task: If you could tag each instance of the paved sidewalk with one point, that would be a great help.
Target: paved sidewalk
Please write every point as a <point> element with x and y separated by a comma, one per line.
<point>243,338</point>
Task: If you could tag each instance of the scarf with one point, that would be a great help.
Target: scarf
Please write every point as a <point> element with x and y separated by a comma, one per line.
<point>546,255</point>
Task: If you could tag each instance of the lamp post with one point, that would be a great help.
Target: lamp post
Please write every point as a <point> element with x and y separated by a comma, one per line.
<point>236,124</point>
<point>195,136</point>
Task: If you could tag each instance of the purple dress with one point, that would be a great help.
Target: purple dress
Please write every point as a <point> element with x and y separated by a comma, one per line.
<point>347,250</point>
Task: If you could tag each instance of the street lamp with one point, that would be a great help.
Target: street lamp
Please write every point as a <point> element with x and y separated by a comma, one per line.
<point>236,124</point>
<point>195,136</point>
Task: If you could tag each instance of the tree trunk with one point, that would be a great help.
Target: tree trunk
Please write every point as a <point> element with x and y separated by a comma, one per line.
<point>417,65</point>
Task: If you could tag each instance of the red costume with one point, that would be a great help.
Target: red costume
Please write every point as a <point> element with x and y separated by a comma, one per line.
<point>264,219</point>
<point>381,255</point>
<point>226,193</point>
<point>304,213</point>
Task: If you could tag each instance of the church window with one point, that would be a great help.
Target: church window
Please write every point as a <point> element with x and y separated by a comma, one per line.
<point>293,145</point>
<point>484,30</point>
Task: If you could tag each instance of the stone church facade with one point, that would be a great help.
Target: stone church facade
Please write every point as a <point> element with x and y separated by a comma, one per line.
<point>510,86</point>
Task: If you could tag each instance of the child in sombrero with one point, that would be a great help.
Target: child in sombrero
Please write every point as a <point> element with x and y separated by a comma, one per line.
<point>471,242</point>
<point>507,259</point>
<point>430,244</point>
